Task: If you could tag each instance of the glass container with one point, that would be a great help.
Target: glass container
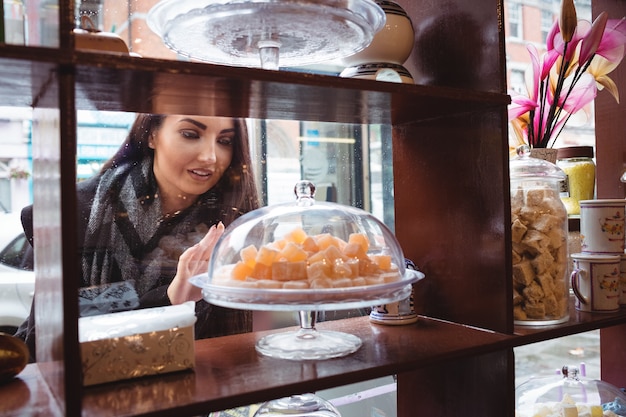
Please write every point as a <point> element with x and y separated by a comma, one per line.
<point>568,395</point>
<point>577,163</point>
<point>304,405</point>
<point>539,240</point>
<point>306,256</point>
<point>263,32</point>
<point>383,58</point>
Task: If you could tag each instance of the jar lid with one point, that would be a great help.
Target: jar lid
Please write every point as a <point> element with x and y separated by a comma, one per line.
<point>604,202</point>
<point>595,257</point>
<point>523,166</point>
<point>575,152</point>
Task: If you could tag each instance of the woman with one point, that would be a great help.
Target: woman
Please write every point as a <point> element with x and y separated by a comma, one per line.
<point>156,209</point>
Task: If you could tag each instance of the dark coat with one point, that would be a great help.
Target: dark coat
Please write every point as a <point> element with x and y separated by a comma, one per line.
<point>212,321</point>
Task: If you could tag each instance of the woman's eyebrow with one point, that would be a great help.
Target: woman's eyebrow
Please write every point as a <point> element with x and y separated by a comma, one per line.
<point>195,123</point>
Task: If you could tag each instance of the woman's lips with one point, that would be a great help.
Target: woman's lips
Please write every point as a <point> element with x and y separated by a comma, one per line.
<point>200,174</point>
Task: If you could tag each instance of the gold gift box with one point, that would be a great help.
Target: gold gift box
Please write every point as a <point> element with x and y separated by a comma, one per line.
<point>138,343</point>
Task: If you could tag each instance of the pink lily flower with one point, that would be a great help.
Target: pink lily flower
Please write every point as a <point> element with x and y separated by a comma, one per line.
<point>556,44</point>
<point>520,105</point>
<point>599,68</point>
<point>613,39</point>
<point>568,76</point>
<point>609,55</point>
<point>591,41</point>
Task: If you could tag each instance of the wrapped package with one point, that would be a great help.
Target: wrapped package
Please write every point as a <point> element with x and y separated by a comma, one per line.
<point>132,344</point>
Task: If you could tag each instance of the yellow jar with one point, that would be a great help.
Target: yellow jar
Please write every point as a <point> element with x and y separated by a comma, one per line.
<point>577,163</point>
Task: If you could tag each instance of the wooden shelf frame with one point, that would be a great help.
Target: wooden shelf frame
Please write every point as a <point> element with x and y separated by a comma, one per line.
<point>230,373</point>
<point>124,83</point>
<point>450,153</point>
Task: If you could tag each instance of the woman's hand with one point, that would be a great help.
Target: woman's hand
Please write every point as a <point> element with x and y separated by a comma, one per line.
<point>193,261</point>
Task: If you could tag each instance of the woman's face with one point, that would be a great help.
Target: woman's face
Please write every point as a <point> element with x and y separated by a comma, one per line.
<point>191,153</point>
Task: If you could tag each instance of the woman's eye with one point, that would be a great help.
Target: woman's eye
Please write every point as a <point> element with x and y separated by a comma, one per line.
<point>189,134</point>
<point>225,140</point>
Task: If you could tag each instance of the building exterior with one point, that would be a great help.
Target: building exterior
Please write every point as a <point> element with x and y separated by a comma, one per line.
<point>525,21</point>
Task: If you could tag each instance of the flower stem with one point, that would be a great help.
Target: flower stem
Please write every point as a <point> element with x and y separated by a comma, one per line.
<point>550,121</point>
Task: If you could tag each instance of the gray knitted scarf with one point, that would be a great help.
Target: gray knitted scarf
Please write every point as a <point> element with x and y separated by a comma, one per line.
<point>128,238</point>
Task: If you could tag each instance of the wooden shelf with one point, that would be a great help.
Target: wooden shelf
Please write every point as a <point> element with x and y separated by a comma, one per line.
<point>579,322</point>
<point>230,373</point>
<point>124,83</point>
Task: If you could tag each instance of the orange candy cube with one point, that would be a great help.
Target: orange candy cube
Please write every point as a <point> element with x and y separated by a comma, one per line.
<point>317,270</point>
<point>354,250</point>
<point>248,255</point>
<point>342,270</point>
<point>266,256</point>
<point>325,240</point>
<point>361,240</point>
<point>297,235</point>
<point>310,245</point>
<point>332,254</point>
<point>261,271</point>
<point>289,271</point>
<point>241,271</point>
<point>292,253</point>
<point>383,261</point>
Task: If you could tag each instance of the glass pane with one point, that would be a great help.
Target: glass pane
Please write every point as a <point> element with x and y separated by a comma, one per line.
<point>31,22</point>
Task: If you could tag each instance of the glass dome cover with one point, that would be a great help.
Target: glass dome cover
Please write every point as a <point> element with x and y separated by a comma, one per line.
<point>254,32</point>
<point>303,405</point>
<point>569,394</point>
<point>524,167</point>
<point>321,272</point>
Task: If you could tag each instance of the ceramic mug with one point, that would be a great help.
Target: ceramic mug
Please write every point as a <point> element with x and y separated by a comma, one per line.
<point>595,282</point>
<point>602,226</point>
<point>400,312</point>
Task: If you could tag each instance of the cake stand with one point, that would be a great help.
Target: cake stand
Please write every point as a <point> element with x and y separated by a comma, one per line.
<point>307,342</point>
<point>376,275</point>
<point>261,33</point>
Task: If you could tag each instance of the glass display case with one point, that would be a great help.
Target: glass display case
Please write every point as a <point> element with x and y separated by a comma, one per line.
<point>451,198</point>
<point>569,394</point>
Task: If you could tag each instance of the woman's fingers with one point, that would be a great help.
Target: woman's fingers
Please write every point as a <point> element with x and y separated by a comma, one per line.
<point>193,261</point>
<point>207,244</point>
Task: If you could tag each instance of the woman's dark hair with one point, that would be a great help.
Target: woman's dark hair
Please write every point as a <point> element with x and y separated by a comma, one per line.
<point>237,186</point>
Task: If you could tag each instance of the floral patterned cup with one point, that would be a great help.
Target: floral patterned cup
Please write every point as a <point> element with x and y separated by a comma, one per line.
<point>602,226</point>
<point>595,282</point>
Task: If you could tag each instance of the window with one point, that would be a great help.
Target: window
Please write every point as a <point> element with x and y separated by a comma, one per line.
<point>517,83</point>
<point>547,20</point>
<point>14,254</point>
<point>346,162</point>
<point>515,20</point>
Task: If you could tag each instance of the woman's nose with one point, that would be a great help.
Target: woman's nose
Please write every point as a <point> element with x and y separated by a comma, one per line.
<point>207,153</point>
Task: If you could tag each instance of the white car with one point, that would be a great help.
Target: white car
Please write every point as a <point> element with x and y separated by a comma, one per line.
<point>17,279</point>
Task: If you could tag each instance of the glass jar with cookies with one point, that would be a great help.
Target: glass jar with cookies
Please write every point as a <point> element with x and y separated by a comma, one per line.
<point>539,241</point>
